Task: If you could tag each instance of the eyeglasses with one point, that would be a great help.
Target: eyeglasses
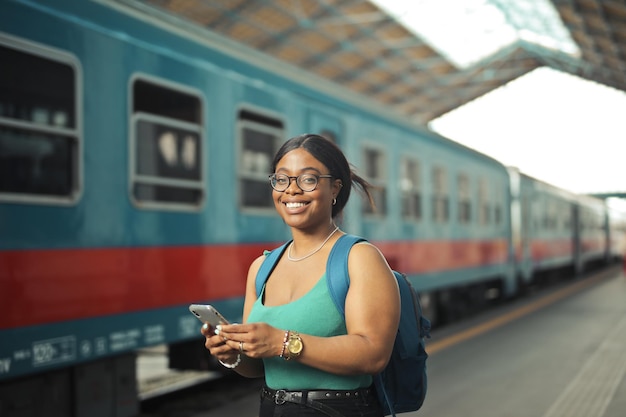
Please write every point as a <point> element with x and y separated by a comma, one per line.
<point>306,182</point>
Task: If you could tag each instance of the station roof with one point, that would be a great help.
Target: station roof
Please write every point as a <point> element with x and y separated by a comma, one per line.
<point>370,48</point>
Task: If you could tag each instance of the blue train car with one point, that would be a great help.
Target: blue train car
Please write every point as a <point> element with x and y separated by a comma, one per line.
<point>555,230</point>
<point>545,229</point>
<point>594,232</point>
<point>134,155</point>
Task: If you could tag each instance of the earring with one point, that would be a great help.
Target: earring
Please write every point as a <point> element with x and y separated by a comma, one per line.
<point>334,201</point>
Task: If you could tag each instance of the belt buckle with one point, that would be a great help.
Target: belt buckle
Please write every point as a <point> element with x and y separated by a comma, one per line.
<point>280,397</point>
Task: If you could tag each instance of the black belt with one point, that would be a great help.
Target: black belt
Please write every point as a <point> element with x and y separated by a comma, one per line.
<point>311,398</point>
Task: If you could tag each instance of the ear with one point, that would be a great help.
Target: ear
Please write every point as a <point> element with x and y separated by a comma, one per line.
<point>337,185</point>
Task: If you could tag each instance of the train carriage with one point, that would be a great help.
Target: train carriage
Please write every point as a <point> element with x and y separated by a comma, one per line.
<point>546,230</point>
<point>554,230</point>
<point>594,236</point>
<point>134,156</point>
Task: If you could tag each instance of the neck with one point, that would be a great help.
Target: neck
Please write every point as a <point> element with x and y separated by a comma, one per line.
<point>314,251</point>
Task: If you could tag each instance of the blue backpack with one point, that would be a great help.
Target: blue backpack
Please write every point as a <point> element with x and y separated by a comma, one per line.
<point>401,386</point>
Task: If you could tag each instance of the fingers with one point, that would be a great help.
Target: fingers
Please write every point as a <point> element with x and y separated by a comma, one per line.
<point>214,338</point>
<point>206,330</point>
<point>220,348</point>
<point>234,328</point>
<point>234,336</point>
<point>254,340</point>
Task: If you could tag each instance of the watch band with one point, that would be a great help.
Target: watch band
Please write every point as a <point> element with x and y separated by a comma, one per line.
<point>285,340</point>
<point>293,337</point>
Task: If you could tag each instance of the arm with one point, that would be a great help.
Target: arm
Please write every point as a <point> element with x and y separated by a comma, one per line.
<point>372,315</point>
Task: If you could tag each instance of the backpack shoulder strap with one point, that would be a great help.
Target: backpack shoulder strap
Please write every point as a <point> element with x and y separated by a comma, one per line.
<point>337,276</point>
<point>266,268</point>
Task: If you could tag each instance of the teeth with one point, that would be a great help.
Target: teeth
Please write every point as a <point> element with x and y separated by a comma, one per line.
<point>294,205</point>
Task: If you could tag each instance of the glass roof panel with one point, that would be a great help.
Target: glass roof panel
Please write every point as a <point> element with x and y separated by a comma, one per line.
<point>468,31</point>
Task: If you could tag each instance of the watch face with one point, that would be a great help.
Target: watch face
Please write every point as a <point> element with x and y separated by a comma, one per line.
<point>295,346</point>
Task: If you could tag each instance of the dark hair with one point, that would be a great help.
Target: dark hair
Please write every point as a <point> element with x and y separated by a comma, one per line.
<point>329,154</point>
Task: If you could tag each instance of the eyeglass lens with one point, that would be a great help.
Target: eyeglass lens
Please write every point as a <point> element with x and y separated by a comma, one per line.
<point>306,182</point>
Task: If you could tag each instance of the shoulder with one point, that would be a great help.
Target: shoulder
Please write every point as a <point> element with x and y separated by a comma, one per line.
<point>253,270</point>
<point>256,265</point>
<point>363,250</point>
<point>370,275</point>
<point>365,258</point>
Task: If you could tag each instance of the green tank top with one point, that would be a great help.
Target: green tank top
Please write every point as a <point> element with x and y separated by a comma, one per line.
<point>313,314</point>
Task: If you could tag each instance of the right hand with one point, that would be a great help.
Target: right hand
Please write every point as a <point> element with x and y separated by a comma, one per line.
<point>216,345</point>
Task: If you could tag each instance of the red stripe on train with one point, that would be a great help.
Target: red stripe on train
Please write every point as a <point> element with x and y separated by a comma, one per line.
<point>44,286</point>
<point>549,249</point>
<point>415,257</point>
<point>541,250</point>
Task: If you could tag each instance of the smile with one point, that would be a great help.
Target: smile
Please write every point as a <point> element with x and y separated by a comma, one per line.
<point>295,205</point>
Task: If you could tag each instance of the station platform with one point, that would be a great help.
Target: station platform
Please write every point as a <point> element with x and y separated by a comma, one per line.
<point>564,358</point>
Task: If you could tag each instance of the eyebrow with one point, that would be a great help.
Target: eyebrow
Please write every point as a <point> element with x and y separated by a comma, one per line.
<point>303,170</point>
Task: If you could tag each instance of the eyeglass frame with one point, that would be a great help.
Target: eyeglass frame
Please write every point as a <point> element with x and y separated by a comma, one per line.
<point>297,179</point>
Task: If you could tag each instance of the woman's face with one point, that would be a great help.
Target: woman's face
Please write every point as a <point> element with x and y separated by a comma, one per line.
<point>305,210</point>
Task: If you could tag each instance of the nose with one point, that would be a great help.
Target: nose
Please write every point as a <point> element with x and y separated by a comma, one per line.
<point>290,188</point>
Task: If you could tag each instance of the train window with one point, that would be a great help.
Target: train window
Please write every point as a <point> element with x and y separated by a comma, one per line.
<point>537,210</point>
<point>484,212</point>
<point>151,98</point>
<point>566,216</point>
<point>375,168</point>
<point>464,199</point>
<point>499,193</point>
<point>259,138</point>
<point>440,199</point>
<point>497,213</point>
<point>39,128</point>
<point>410,189</point>
<point>552,215</point>
<point>167,146</point>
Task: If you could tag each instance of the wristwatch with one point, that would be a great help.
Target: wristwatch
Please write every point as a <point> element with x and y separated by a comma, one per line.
<point>293,345</point>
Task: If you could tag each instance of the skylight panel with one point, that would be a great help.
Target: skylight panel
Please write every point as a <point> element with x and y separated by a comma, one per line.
<point>468,31</point>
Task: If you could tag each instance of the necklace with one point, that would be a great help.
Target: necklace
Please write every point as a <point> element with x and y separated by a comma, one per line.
<point>312,253</point>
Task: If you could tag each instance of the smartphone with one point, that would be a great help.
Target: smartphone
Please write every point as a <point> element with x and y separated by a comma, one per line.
<point>207,314</point>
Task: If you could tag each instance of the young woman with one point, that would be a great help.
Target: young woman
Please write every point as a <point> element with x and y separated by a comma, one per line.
<point>314,362</point>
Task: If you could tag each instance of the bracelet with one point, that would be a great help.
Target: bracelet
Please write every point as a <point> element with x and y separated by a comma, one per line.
<point>282,352</point>
<point>232,365</point>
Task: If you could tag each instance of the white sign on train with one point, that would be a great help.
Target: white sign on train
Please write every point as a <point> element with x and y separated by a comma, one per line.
<point>61,349</point>
<point>5,365</point>
<point>125,339</point>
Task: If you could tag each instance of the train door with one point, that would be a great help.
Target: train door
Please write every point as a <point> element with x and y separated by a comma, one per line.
<point>576,236</point>
<point>521,195</point>
<point>516,216</point>
<point>606,231</point>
